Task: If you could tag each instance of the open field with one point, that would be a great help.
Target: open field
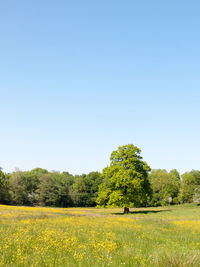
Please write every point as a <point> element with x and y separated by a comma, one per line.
<point>31,236</point>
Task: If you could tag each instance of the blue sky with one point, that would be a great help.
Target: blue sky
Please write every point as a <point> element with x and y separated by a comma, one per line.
<point>80,78</point>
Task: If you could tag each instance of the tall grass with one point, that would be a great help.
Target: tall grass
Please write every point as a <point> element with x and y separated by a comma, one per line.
<point>99,237</point>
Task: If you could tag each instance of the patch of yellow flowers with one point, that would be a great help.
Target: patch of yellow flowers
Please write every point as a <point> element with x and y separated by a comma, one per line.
<point>57,240</point>
<point>193,225</point>
<point>36,236</point>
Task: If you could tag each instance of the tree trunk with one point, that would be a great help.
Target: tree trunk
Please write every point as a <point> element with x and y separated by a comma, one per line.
<point>126,210</point>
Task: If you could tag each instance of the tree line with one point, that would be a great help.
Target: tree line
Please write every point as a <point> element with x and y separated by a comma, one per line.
<point>44,188</point>
<point>128,181</point>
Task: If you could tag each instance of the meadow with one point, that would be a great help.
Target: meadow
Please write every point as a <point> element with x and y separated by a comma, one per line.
<point>37,236</point>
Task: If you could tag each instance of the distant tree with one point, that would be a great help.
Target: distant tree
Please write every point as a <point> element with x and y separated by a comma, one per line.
<point>92,181</point>
<point>39,171</point>
<point>23,187</point>
<point>2,178</point>
<point>196,195</point>
<point>67,178</point>
<point>165,186</point>
<point>52,192</point>
<point>48,191</point>
<point>85,189</point>
<point>188,186</point>
<point>18,188</point>
<point>79,193</point>
<point>5,197</point>
<point>175,176</point>
<point>196,175</point>
<point>125,181</point>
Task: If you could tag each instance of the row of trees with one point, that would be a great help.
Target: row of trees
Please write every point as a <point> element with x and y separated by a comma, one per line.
<point>128,181</point>
<point>40,187</point>
<point>171,188</point>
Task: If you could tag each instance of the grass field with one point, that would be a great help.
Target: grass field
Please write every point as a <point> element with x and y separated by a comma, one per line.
<point>167,236</point>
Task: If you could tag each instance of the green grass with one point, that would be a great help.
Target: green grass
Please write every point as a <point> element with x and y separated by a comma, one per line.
<point>168,236</point>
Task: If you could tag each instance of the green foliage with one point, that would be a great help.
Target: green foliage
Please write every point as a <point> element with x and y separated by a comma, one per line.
<point>4,188</point>
<point>39,171</point>
<point>50,190</point>
<point>125,181</point>
<point>196,175</point>
<point>165,187</point>
<point>40,187</point>
<point>23,186</point>
<point>2,179</point>
<point>103,195</point>
<point>85,189</point>
<point>188,185</point>
<point>196,195</point>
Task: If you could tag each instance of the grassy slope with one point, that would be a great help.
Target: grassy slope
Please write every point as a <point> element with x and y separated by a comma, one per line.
<point>166,236</point>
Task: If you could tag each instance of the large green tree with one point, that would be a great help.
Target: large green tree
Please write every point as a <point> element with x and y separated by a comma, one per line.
<point>125,181</point>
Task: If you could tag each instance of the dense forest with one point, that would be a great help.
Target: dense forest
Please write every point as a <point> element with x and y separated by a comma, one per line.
<point>44,188</point>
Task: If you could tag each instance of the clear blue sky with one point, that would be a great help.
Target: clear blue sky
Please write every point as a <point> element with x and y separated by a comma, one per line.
<point>80,78</point>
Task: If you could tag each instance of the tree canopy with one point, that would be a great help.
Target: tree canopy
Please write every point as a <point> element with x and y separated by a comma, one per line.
<point>165,186</point>
<point>125,181</point>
